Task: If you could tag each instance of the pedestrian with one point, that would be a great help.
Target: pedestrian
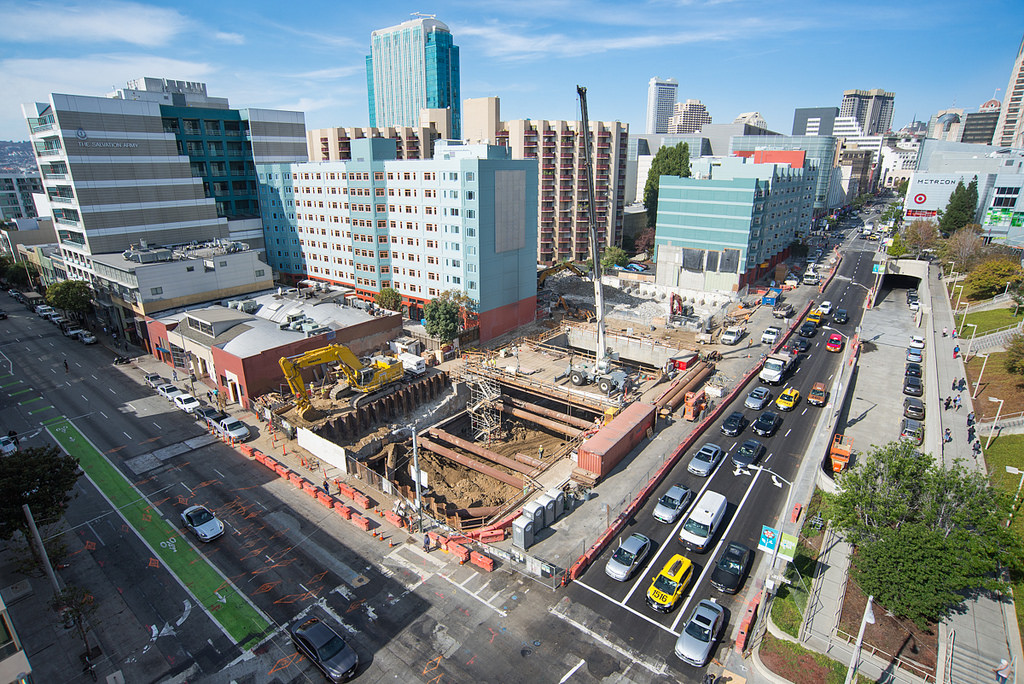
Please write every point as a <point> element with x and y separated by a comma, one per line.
<point>66,369</point>
<point>949,402</point>
<point>957,402</point>
<point>209,396</point>
<point>174,375</point>
<point>945,332</point>
<point>327,486</point>
<point>1003,670</point>
<point>963,384</point>
<point>977,448</point>
<point>970,434</point>
<point>954,333</point>
<point>956,351</point>
<point>947,436</point>
<point>970,419</point>
<point>953,388</point>
<point>426,543</point>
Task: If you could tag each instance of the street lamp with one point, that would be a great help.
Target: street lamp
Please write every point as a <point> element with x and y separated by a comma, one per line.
<point>995,423</point>
<point>955,288</point>
<point>973,333</point>
<point>977,385</point>
<point>416,474</point>
<point>1013,507</point>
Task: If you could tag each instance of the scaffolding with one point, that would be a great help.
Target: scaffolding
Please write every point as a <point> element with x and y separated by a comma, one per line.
<point>485,420</point>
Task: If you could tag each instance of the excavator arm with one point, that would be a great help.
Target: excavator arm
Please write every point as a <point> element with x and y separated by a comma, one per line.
<point>360,378</point>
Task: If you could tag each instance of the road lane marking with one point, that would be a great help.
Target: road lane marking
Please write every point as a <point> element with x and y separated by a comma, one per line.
<point>126,434</point>
<point>571,672</point>
<point>188,488</point>
<point>787,432</point>
<point>634,657</point>
<point>804,411</point>
<point>219,473</point>
<point>84,397</point>
<point>104,415</point>
<point>711,556</point>
<point>497,610</point>
<point>625,607</point>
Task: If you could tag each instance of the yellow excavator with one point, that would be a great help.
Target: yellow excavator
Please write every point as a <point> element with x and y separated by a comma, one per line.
<point>381,372</point>
<point>543,274</point>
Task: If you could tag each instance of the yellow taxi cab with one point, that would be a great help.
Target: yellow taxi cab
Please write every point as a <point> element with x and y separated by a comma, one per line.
<point>787,401</point>
<point>669,585</point>
<point>815,317</point>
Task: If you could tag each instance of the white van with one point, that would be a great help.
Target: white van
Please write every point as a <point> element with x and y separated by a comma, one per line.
<point>43,309</point>
<point>701,524</point>
<point>810,278</point>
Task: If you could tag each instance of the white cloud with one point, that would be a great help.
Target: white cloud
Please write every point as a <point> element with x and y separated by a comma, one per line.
<point>333,73</point>
<point>125,22</point>
<point>32,80</point>
<point>230,38</point>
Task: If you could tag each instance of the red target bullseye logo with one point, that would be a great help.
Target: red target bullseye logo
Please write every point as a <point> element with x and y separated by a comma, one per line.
<point>920,198</point>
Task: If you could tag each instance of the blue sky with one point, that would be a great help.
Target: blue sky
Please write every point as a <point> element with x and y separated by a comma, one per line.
<point>734,55</point>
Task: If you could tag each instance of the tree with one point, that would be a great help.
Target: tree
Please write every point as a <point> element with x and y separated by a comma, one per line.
<point>442,317</point>
<point>76,606</point>
<point>70,295</point>
<point>991,278</point>
<point>388,298</point>
<point>960,209</point>
<point>41,477</point>
<point>901,187</point>
<point>669,161</point>
<point>909,516</point>
<point>1014,359</point>
<point>963,247</point>
<point>898,247</point>
<point>613,256</point>
<point>645,240</point>
<point>921,235</point>
<point>18,273</point>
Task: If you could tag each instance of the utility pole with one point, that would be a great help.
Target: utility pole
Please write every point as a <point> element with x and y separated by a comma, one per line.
<point>40,548</point>
<point>869,616</point>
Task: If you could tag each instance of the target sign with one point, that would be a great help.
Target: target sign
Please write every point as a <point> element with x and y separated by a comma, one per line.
<point>920,198</point>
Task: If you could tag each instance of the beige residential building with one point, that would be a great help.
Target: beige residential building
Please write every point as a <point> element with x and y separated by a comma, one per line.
<point>557,146</point>
<point>334,144</point>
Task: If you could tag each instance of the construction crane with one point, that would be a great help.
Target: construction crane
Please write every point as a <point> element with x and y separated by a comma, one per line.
<point>381,372</point>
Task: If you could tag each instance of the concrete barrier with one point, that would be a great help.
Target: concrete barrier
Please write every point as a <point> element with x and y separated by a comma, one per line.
<point>481,561</point>
<point>343,510</point>
<point>394,519</point>
<point>747,623</point>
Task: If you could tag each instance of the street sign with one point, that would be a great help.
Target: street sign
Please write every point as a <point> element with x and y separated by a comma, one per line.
<point>787,549</point>
<point>878,268</point>
<point>769,537</point>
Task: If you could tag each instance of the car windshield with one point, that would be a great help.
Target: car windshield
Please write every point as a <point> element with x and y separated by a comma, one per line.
<point>698,629</point>
<point>331,648</point>
<point>200,517</point>
<point>705,455</point>
<point>232,425</point>
<point>669,501</point>
<point>696,528</point>
<point>623,556</point>
<point>730,564</point>
<point>665,585</point>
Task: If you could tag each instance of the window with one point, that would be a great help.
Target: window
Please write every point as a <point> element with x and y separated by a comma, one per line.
<point>156,290</point>
<point>189,269</point>
<point>470,176</point>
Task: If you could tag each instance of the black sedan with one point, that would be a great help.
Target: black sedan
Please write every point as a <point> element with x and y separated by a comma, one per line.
<point>913,370</point>
<point>748,454</point>
<point>734,424</point>
<point>840,316</point>
<point>766,424</point>
<point>732,568</point>
<point>808,329</point>
<point>325,649</point>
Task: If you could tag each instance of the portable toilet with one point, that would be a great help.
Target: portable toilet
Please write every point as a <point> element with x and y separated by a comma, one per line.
<point>559,497</point>
<point>549,509</point>
<point>522,532</point>
<point>534,511</point>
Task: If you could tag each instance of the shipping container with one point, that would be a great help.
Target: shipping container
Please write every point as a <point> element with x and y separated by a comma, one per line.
<point>602,452</point>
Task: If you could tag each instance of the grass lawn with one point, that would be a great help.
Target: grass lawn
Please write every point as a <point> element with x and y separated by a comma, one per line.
<point>987,320</point>
<point>801,666</point>
<point>790,603</point>
<point>1008,450</point>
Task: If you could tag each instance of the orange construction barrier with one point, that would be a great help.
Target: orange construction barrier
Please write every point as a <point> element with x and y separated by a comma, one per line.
<point>481,561</point>
<point>361,522</point>
<point>459,550</point>
<point>394,519</point>
<point>343,510</point>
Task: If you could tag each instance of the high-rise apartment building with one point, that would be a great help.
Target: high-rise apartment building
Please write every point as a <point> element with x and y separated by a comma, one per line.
<point>413,66</point>
<point>814,120</point>
<point>661,101</point>
<point>821,149</point>
<point>16,190</point>
<point>419,226</point>
<point>335,144</point>
<point>980,127</point>
<point>688,117</point>
<point>1010,128</point>
<point>871,108</point>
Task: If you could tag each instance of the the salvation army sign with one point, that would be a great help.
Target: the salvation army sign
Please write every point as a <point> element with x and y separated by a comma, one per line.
<point>920,198</point>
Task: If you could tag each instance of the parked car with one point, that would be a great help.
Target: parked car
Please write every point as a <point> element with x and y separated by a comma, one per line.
<point>758,398</point>
<point>704,461</point>
<point>913,408</point>
<point>7,445</point>
<point>233,429</point>
<point>914,356</point>
<point>748,454</point>
<point>698,637</point>
<point>3,315</point>
<point>202,523</point>
<point>325,648</point>
<point>672,503</point>
<point>766,424</point>
<point>914,305</point>
<point>154,380</point>
<point>628,557</point>
<point>734,424</point>
<point>912,386</point>
<point>913,430</point>
<point>208,414</point>
<point>913,369</point>
<point>770,334</point>
<point>168,391</point>
<point>74,333</point>
<point>789,398</point>
<point>87,338</point>
<point>669,584</point>
<point>916,342</point>
<point>732,568</point>
<point>186,402</point>
<point>840,316</point>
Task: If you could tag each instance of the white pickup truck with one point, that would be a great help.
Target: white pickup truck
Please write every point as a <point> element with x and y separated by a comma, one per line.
<point>775,366</point>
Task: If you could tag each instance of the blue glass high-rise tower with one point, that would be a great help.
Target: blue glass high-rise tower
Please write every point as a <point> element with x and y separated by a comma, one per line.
<point>412,66</point>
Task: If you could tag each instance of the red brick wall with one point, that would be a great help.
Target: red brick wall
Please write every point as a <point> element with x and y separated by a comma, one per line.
<point>499,321</point>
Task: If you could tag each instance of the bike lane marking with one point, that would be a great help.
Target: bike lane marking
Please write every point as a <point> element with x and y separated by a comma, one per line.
<point>235,614</point>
